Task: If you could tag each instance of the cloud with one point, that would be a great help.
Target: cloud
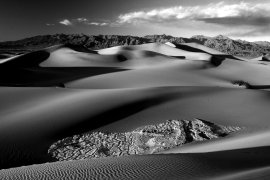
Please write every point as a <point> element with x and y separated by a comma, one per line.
<point>242,13</point>
<point>66,22</point>
<point>83,21</point>
<point>94,23</point>
<point>98,24</point>
<point>104,24</point>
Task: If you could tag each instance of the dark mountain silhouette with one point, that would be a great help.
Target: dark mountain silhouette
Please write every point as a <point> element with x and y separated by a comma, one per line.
<point>232,47</point>
<point>91,42</point>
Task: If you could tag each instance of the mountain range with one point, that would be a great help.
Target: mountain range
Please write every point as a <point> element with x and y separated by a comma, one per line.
<point>93,42</point>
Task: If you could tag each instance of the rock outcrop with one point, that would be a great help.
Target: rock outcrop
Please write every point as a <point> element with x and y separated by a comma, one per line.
<point>243,84</point>
<point>144,140</point>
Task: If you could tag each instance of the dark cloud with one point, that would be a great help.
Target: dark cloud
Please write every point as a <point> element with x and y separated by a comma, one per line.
<point>257,32</point>
<point>238,21</point>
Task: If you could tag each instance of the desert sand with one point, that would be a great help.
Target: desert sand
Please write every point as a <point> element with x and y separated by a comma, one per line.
<point>237,164</point>
<point>66,90</point>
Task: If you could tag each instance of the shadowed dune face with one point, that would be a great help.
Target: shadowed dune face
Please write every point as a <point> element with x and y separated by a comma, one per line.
<point>28,60</point>
<point>48,76</point>
<point>82,111</point>
<point>4,56</point>
<point>67,90</point>
<point>217,56</point>
<point>60,113</point>
<point>79,48</point>
<point>59,67</point>
<point>159,48</point>
<point>195,47</point>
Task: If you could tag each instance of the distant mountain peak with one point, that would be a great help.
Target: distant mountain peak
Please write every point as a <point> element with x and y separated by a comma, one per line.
<point>208,37</point>
<point>221,37</point>
<point>263,43</point>
<point>199,36</point>
<point>221,43</point>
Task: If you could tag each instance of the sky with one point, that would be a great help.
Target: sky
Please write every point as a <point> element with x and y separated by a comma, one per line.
<point>237,19</point>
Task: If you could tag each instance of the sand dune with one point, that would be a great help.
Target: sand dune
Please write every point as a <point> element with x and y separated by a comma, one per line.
<point>181,73</point>
<point>61,56</point>
<point>68,90</point>
<point>77,56</point>
<point>203,48</point>
<point>217,165</point>
<point>8,58</point>
<point>54,66</point>
<point>170,44</point>
<point>159,48</point>
<point>66,57</point>
<point>171,74</point>
<point>259,173</point>
<point>4,56</point>
<point>48,76</point>
<point>60,113</point>
<point>27,60</point>
<point>246,139</point>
